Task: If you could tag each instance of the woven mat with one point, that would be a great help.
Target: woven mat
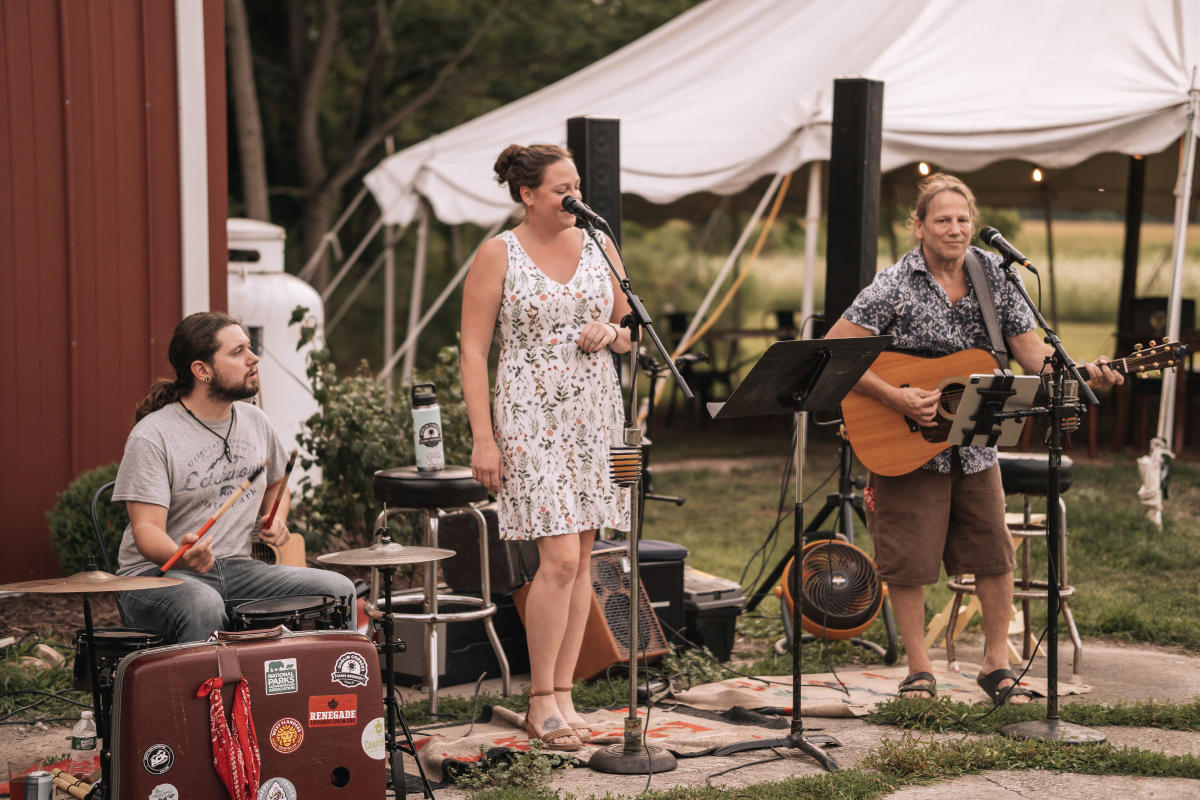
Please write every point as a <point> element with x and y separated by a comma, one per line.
<point>823,696</point>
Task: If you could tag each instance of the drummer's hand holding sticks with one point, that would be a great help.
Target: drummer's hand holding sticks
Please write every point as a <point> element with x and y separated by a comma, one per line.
<point>273,526</point>
<point>190,539</point>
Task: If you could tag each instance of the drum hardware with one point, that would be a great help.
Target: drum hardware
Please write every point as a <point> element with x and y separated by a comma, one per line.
<point>111,645</point>
<point>92,580</point>
<point>385,555</point>
<point>301,612</point>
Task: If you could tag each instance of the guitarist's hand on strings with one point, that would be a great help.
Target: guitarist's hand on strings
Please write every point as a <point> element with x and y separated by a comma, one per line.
<point>919,405</point>
<point>1099,375</point>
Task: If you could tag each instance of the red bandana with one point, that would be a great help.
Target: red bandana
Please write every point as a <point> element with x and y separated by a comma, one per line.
<point>238,765</point>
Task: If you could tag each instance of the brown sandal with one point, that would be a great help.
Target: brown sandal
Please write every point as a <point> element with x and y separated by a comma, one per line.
<point>582,729</point>
<point>550,738</point>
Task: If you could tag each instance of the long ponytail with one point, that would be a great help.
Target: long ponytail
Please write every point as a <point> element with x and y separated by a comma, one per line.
<point>194,339</point>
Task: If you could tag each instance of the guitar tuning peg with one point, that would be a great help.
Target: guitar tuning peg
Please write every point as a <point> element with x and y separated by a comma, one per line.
<point>1137,347</point>
<point>1166,340</point>
<point>1152,343</point>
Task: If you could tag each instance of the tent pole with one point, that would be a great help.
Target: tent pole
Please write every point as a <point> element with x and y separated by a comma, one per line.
<point>330,238</point>
<point>698,317</point>
<point>434,307</point>
<point>812,220</point>
<point>389,289</point>
<point>335,319</point>
<point>352,260</point>
<point>418,291</point>
<point>1049,206</point>
<point>1183,193</point>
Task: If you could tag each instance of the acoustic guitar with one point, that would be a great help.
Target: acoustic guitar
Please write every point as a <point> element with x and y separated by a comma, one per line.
<point>291,554</point>
<point>890,443</point>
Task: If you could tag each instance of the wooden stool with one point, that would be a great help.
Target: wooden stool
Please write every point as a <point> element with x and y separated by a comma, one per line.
<point>436,496</point>
<point>1026,474</point>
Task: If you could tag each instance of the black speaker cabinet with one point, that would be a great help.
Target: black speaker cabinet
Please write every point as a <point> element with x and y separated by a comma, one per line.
<point>510,563</point>
<point>854,160</point>
<point>595,142</point>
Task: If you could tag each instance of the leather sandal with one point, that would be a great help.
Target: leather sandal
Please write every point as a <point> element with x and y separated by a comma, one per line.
<point>918,682</point>
<point>990,683</point>
<point>550,739</point>
<point>582,729</point>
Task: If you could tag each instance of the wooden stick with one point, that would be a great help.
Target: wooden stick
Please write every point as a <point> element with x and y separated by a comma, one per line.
<point>76,787</point>
<point>183,548</point>
<point>287,473</point>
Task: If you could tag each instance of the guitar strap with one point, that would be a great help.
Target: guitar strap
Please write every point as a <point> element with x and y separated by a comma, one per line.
<point>987,307</point>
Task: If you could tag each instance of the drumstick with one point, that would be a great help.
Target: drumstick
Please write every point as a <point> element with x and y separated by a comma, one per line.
<point>183,548</point>
<point>287,473</point>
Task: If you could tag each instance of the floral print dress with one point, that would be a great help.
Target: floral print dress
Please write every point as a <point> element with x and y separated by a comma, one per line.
<point>553,403</point>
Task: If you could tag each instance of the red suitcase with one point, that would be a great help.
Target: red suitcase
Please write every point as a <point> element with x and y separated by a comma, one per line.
<point>315,698</point>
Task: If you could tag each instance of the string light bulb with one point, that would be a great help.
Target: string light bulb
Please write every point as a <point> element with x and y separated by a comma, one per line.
<point>1037,175</point>
<point>923,168</point>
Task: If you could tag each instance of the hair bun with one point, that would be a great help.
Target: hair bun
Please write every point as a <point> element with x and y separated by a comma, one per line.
<point>504,162</point>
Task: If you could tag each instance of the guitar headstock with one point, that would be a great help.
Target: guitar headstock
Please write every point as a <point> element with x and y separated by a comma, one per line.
<point>1163,355</point>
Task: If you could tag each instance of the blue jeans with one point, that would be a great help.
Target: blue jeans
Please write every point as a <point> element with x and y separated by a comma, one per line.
<point>192,610</point>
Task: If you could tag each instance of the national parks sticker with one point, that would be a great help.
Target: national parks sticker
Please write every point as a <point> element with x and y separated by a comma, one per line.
<point>281,676</point>
<point>332,710</point>
<point>286,735</point>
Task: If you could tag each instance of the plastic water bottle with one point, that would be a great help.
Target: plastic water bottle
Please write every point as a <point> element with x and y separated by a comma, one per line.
<point>427,428</point>
<point>83,747</point>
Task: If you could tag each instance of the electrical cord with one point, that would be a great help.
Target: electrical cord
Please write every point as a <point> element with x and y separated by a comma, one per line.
<point>46,696</point>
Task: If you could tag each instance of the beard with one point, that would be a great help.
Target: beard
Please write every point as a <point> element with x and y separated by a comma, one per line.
<point>229,392</point>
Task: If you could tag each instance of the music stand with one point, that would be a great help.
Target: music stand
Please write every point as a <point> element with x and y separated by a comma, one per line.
<point>795,376</point>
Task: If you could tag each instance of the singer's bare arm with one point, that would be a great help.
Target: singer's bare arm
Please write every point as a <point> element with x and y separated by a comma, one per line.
<point>482,291</point>
<point>149,524</point>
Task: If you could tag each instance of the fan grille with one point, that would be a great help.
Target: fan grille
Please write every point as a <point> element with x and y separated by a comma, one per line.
<point>840,590</point>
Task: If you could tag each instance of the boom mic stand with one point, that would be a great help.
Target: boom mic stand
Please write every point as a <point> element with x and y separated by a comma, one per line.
<point>1061,408</point>
<point>632,756</point>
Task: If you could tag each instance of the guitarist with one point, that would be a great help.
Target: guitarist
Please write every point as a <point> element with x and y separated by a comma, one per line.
<point>951,509</point>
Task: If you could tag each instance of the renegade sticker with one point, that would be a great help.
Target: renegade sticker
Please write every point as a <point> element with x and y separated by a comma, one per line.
<point>158,759</point>
<point>329,710</point>
<point>350,670</point>
<point>281,676</point>
<point>286,735</point>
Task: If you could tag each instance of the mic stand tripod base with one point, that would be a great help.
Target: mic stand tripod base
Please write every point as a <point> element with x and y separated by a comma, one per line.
<point>1054,730</point>
<point>793,741</point>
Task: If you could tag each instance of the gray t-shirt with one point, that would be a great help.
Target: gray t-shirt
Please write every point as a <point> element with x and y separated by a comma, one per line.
<point>172,461</point>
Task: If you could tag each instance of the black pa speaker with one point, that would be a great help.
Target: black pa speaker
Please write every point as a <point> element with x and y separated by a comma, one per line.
<point>854,159</point>
<point>510,563</point>
<point>595,142</point>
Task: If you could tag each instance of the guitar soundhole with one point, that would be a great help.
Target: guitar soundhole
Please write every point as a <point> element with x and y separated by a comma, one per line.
<point>261,552</point>
<point>947,408</point>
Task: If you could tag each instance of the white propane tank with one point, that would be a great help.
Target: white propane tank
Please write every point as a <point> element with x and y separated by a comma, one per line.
<point>262,297</point>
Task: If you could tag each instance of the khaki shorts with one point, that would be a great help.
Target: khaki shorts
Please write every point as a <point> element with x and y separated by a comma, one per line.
<point>924,519</point>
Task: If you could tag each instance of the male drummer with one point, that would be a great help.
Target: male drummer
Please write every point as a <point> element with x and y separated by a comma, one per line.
<point>191,448</point>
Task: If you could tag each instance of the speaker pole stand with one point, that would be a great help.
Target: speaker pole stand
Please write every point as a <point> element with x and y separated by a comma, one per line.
<point>633,756</point>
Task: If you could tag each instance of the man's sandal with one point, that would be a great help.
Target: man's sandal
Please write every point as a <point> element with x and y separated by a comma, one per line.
<point>918,682</point>
<point>990,683</point>
<point>582,729</point>
<point>551,738</point>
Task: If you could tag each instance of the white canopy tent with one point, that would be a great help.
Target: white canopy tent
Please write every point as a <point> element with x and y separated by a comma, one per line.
<point>734,90</point>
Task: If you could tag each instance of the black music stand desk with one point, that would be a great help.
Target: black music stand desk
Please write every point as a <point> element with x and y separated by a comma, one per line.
<point>795,376</point>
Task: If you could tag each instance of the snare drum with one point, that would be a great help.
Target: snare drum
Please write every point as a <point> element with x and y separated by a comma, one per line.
<point>112,645</point>
<point>301,612</point>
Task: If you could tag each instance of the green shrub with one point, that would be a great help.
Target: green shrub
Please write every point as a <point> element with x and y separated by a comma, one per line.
<point>354,434</point>
<point>70,521</point>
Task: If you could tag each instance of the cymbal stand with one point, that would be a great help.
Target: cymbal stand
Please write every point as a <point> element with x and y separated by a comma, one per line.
<point>100,790</point>
<point>389,647</point>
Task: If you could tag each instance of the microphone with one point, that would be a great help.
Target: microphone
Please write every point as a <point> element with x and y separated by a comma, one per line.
<point>992,238</point>
<point>576,206</point>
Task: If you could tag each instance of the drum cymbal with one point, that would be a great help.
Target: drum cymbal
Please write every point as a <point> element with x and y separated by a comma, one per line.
<point>390,554</point>
<point>89,580</point>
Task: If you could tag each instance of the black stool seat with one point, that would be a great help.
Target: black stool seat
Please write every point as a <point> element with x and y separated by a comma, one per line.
<point>1029,473</point>
<point>649,550</point>
<point>408,487</point>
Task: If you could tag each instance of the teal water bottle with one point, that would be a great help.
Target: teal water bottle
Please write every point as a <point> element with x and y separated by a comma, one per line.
<point>427,428</point>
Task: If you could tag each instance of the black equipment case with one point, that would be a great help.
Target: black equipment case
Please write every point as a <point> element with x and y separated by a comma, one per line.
<point>315,698</point>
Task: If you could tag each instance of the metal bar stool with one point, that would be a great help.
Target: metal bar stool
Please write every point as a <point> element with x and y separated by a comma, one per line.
<point>1027,474</point>
<point>437,495</point>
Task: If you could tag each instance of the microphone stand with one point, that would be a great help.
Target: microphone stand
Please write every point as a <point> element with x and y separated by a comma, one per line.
<point>633,756</point>
<point>1052,728</point>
